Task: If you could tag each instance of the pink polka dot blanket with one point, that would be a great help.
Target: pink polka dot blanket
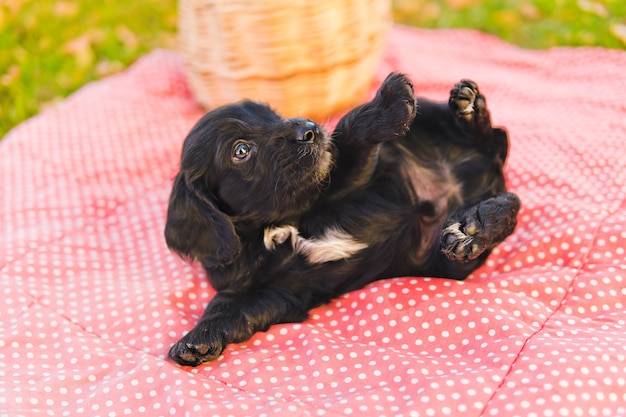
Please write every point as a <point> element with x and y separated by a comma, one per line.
<point>92,299</point>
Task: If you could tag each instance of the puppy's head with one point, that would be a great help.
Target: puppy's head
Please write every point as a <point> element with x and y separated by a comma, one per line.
<point>243,166</point>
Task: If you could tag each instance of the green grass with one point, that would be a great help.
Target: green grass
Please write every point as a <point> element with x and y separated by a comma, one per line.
<point>48,49</point>
<point>528,23</point>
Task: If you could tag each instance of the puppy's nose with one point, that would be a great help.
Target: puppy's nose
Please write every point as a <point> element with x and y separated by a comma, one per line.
<point>308,132</point>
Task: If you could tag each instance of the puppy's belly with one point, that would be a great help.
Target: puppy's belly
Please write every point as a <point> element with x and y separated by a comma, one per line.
<point>431,181</point>
<point>431,184</point>
<point>335,244</point>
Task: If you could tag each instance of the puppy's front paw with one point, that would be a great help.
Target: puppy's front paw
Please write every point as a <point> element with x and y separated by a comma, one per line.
<point>469,107</point>
<point>397,103</point>
<point>202,344</point>
<point>465,99</point>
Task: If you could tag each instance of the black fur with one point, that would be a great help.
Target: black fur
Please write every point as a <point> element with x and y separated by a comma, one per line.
<point>410,187</point>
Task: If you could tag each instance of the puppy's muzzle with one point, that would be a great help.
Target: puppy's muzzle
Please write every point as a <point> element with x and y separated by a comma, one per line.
<point>307,131</point>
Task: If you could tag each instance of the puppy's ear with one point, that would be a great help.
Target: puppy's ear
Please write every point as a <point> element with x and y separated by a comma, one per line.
<point>197,229</point>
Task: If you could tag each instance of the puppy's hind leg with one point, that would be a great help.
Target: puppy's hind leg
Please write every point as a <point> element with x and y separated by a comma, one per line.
<point>472,231</point>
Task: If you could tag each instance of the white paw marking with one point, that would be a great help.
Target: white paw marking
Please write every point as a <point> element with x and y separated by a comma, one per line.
<point>455,230</point>
<point>469,109</point>
<point>279,235</point>
<point>462,240</point>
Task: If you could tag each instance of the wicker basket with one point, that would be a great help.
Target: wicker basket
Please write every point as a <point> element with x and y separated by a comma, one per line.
<point>309,58</point>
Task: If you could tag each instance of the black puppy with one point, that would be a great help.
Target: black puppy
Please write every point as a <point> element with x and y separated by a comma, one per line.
<point>285,217</point>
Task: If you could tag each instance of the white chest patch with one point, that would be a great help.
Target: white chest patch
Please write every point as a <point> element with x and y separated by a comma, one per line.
<point>334,245</point>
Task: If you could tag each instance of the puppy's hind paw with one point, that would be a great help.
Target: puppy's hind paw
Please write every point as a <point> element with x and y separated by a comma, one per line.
<point>479,228</point>
<point>461,243</point>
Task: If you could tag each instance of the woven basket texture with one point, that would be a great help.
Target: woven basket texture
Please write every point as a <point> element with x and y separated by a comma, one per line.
<point>303,57</point>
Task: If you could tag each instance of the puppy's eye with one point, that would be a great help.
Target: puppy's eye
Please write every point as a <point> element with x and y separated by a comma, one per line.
<point>241,151</point>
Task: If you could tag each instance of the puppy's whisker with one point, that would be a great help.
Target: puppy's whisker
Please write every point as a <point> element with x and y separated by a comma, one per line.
<point>304,152</point>
<point>275,194</point>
